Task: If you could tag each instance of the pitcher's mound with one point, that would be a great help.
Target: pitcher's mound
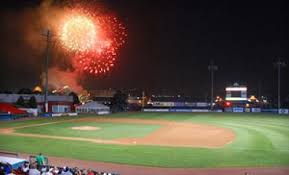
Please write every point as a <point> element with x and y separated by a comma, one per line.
<point>86,128</point>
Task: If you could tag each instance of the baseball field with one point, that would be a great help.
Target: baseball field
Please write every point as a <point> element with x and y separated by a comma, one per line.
<point>180,140</point>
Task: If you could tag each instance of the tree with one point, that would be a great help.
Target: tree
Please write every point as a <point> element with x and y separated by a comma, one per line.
<point>75,97</point>
<point>7,92</point>
<point>119,102</point>
<point>20,102</point>
<point>32,102</point>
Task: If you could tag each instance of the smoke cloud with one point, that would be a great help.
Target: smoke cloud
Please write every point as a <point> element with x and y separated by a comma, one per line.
<point>26,47</point>
<point>59,78</point>
<point>60,73</point>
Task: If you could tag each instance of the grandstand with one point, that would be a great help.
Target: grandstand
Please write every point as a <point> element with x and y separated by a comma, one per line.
<point>10,163</point>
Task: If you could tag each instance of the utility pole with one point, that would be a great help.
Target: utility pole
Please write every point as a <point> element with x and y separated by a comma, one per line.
<point>279,64</point>
<point>143,99</point>
<point>47,35</point>
<point>212,68</point>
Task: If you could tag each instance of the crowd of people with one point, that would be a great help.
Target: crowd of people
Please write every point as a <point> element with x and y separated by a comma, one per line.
<point>40,167</point>
<point>53,170</point>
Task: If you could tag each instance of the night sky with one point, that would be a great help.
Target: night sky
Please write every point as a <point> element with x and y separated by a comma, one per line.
<point>170,45</point>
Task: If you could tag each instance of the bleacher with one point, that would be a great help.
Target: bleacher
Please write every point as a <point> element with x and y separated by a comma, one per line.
<point>10,163</point>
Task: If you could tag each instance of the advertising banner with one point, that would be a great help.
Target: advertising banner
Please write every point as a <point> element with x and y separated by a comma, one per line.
<point>155,110</point>
<point>238,109</point>
<point>283,111</point>
<point>255,109</point>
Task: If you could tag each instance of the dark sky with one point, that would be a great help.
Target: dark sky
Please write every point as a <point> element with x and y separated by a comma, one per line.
<point>171,43</point>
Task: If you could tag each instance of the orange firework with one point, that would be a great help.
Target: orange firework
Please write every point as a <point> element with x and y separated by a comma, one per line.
<point>94,40</point>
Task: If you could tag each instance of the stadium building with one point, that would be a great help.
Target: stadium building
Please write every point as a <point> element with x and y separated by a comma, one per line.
<point>56,103</point>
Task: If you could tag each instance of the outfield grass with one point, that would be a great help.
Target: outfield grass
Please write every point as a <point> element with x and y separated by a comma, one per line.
<point>262,140</point>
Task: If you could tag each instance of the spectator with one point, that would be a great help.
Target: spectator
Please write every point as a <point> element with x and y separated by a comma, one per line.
<point>84,172</point>
<point>2,169</point>
<point>77,171</point>
<point>25,167</point>
<point>55,170</point>
<point>33,170</point>
<point>89,172</point>
<point>40,159</point>
<point>43,170</point>
<point>5,168</point>
<point>66,171</point>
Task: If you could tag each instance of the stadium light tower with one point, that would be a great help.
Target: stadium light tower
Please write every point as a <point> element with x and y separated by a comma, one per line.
<point>279,65</point>
<point>212,68</point>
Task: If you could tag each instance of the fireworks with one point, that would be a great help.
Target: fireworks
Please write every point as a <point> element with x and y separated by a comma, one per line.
<point>93,40</point>
<point>78,33</point>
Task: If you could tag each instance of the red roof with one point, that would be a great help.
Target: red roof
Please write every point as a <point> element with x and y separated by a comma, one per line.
<point>5,107</point>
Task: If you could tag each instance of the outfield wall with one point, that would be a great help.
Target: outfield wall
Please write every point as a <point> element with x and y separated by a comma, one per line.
<point>234,110</point>
<point>177,110</point>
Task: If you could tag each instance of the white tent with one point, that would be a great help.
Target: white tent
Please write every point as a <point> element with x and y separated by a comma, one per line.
<point>93,107</point>
<point>14,162</point>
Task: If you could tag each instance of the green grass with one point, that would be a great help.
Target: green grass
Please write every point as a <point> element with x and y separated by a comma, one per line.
<point>5,124</point>
<point>107,130</point>
<point>262,140</point>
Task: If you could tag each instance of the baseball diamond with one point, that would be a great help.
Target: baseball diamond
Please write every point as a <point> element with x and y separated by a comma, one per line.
<point>175,140</point>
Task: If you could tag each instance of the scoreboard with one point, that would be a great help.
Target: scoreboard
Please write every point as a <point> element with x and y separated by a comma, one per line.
<point>236,93</point>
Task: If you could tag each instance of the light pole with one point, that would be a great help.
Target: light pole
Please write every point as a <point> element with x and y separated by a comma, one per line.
<point>212,68</point>
<point>279,64</point>
<point>47,35</point>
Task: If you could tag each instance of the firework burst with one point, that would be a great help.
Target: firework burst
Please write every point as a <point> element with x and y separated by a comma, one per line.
<point>93,40</point>
<point>78,33</point>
